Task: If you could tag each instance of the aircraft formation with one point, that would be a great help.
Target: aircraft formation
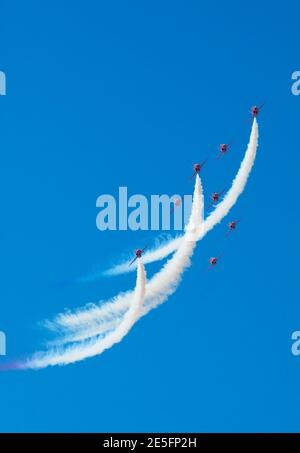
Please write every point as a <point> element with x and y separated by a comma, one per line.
<point>215,196</point>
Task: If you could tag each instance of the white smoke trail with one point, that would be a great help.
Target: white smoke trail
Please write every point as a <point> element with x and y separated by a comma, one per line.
<point>91,348</point>
<point>156,254</point>
<point>215,217</point>
<point>104,316</point>
<point>160,288</point>
<point>98,320</point>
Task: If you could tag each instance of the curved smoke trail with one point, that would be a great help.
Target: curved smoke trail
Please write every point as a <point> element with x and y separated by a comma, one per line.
<point>102,318</point>
<point>98,320</point>
<point>215,217</point>
<point>91,348</point>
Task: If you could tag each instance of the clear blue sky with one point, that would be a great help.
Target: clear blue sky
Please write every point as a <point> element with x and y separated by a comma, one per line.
<point>104,94</point>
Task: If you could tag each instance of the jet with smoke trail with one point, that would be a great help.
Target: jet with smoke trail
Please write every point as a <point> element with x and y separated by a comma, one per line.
<point>109,314</point>
<point>96,346</point>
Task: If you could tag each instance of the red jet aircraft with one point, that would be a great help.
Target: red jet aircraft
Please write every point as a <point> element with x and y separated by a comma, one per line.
<point>198,168</point>
<point>215,196</point>
<point>232,226</point>
<point>138,254</point>
<point>255,110</point>
<point>223,148</point>
<point>213,261</point>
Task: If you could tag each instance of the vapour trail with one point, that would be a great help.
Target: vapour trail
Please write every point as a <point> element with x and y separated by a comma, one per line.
<point>91,348</point>
<point>215,217</point>
<point>104,316</point>
<point>163,285</point>
<point>155,254</point>
<point>98,320</point>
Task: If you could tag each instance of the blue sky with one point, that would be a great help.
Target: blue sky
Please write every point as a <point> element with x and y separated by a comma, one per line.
<point>109,94</point>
